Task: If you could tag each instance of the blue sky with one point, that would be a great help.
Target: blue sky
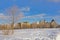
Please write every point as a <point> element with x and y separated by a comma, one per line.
<point>36,9</point>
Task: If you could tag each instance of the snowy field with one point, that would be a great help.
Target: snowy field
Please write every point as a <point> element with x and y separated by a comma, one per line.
<point>33,34</point>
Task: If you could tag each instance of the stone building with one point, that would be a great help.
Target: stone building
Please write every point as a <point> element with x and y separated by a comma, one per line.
<point>42,24</point>
<point>58,26</point>
<point>25,25</point>
<point>34,25</point>
<point>17,26</point>
<point>47,25</point>
<point>53,24</point>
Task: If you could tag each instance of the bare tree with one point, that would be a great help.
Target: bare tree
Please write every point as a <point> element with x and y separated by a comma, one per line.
<point>14,14</point>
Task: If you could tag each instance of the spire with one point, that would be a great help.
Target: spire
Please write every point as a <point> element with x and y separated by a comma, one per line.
<point>52,20</point>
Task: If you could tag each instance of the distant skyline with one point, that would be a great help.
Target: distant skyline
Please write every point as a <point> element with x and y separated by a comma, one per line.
<point>33,10</point>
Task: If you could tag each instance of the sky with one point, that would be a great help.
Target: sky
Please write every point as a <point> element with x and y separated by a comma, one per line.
<point>32,10</point>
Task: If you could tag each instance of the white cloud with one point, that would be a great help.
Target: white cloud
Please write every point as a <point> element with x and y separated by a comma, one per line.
<point>56,17</point>
<point>8,18</point>
<point>19,11</point>
<point>41,16</point>
<point>2,16</point>
<point>21,15</point>
<point>36,16</point>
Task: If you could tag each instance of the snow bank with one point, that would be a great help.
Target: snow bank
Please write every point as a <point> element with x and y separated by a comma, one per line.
<point>32,34</point>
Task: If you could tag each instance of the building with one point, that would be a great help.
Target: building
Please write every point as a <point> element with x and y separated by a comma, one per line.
<point>17,26</point>
<point>25,25</point>
<point>42,24</point>
<point>53,24</point>
<point>34,25</point>
<point>58,26</point>
<point>47,25</point>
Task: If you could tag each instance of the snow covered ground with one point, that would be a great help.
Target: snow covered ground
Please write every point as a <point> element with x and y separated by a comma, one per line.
<point>32,34</point>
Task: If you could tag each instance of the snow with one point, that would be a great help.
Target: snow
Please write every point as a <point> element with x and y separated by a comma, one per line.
<point>32,34</point>
<point>58,36</point>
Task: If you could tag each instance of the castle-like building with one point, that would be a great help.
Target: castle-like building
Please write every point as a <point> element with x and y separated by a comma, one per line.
<point>39,24</point>
<point>44,24</point>
<point>53,24</point>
